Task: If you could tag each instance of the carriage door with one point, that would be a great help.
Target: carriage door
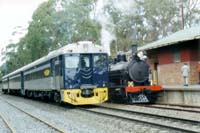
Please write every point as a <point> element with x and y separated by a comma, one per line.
<point>22,83</point>
<point>53,77</point>
<point>86,69</point>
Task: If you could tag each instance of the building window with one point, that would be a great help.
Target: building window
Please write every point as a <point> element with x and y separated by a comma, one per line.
<point>177,55</point>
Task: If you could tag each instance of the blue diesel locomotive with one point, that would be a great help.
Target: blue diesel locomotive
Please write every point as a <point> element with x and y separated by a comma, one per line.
<point>76,73</point>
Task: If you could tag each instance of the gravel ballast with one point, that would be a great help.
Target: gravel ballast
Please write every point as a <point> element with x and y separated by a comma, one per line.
<point>73,120</point>
<point>21,122</point>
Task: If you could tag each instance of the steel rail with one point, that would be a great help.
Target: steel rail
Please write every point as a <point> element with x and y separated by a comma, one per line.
<point>171,108</point>
<point>147,114</point>
<point>179,105</point>
<point>139,120</point>
<point>7,123</point>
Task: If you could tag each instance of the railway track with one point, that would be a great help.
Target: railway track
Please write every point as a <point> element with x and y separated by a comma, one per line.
<point>179,105</point>
<point>35,117</point>
<point>7,124</point>
<point>170,124</point>
<point>161,122</point>
<point>173,107</point>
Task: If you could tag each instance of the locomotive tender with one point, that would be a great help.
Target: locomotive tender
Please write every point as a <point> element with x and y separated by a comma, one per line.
<point>129,81</point>
<point>76,73</point>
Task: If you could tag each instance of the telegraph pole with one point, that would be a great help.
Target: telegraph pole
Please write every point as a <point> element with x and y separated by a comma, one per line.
<point>182,15</point>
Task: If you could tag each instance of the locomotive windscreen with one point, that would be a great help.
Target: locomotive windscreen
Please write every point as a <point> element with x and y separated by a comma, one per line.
<point>138,71</point>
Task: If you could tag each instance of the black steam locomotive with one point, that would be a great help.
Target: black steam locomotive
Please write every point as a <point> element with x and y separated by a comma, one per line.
<point>129,81</point>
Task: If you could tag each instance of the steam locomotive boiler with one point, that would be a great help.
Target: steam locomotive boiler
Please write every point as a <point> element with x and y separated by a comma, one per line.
<point>129,80</point>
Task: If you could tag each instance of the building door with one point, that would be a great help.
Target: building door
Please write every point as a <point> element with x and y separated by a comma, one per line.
<point>155,74</point>
<point>53,75</point>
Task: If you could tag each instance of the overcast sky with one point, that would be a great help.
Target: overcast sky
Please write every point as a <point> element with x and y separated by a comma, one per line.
<point>15,13</point>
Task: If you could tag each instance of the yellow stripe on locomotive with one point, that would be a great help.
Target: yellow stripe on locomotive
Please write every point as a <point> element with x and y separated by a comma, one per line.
<point>74,96</point>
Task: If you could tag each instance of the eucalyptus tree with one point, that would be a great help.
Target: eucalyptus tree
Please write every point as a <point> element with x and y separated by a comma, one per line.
<point>74,22</point>
<point>52,28</point>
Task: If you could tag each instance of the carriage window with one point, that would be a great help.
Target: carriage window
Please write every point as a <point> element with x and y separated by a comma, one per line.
<point>71,61</point>
<point>85,61</point>
<point>99,60</point>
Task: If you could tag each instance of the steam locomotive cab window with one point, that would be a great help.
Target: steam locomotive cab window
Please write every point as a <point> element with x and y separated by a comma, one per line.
<point>99,60</point>
<point>72,61</point>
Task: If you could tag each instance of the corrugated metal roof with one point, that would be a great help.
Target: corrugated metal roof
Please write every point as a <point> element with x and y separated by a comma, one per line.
<point>180,36</point>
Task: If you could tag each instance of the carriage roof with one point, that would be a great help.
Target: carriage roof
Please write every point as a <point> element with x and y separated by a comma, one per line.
<point>78,47</point>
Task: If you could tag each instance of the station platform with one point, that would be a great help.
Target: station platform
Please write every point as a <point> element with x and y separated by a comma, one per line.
<point>179,94</point>
<point>168,87</point>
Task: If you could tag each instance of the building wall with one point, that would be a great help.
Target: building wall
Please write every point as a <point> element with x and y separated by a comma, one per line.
<point>194,76</point>
<point>185,55</point>
<point>170,74</point>
<point>198,53</point>
<point>165,57</point>
<point>169,69</point>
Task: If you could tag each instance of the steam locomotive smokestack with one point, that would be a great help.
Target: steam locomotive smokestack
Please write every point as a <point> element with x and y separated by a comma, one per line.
<point>134,49</point>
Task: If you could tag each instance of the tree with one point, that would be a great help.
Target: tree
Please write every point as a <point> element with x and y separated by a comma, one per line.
<point>189,12</point>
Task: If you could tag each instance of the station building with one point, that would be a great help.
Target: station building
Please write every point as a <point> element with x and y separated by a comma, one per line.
<point>167,56</point>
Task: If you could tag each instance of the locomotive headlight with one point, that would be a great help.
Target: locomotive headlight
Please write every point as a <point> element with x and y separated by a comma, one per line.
<point>104,84</point>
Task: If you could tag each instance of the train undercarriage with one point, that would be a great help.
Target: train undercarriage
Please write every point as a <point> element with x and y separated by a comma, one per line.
<point>134,94</point>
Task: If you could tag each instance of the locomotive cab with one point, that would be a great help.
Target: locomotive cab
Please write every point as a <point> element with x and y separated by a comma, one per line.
<point>85,78</point>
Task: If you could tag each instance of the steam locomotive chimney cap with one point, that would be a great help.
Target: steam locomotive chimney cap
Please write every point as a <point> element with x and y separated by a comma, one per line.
<point>134,48</point>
